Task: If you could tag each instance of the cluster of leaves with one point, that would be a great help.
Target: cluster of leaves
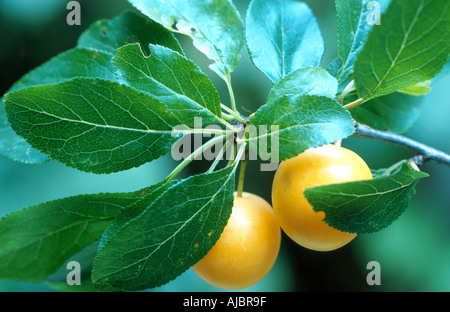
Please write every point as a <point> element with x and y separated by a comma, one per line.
<point>112,102</point>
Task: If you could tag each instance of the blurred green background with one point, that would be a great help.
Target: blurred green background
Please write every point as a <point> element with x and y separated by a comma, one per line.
<point>414,253</point>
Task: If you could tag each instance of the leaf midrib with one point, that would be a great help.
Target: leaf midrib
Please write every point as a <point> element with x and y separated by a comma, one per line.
<point>344,65</point>
<point>174,93</point>
<point>402,47</point>
<point>356,196</point>
<point>146,131</point>
<point>145,259</point>
<point>58,231</point>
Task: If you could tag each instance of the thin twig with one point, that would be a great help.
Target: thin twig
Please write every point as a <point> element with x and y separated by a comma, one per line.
<point>231,92</point>
<point>349,88</point>
<point>424,152</point>
<point>242,174</point>
<point>232,112</point>
<point>192,156</point>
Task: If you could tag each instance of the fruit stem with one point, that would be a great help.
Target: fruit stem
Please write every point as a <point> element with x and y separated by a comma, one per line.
<point>228,117</point>
<point>349,88</point>
<point>219,156</point>
<point>354,104</point>
<point>230,91</point>
<point>233,113</point>
<point>242,174</point>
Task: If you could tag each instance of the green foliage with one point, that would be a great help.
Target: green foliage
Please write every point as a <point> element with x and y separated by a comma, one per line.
<point>35,241</point>
<point>77,62</point>
<point>129,27</point>
<point>172,233</point>
<point>396,112</point>
<point>303,122</point>
<point>367,206</point>
<point>115,101</point>
<point>15,147</point>
<point>215,27</point>
<point>411,45</point>
<point>68,118</point>
<point>304,81</point>
<point>96,46</point>
<point>286,39</point>
<point>418,89</point>
<point>85,257</point>
<point>352,32</point>
<point>185,88</point>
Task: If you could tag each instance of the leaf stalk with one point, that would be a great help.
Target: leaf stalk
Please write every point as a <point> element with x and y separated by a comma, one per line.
<point>196,153</point>
<point>219,156</point>
<point>242,174</point>
<point>354,104</point>
<point>231,92</point>
<point>236,115</point>
<point>349,88</point>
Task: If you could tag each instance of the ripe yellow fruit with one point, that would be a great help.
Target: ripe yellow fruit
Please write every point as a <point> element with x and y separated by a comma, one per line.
<point>328,164</point>
<point>247,248</point>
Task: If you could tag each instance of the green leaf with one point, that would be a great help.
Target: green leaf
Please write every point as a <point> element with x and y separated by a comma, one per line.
<point>443,73</point>
<point>76,62</point>
<point>147,196</point>
<point>283,36</point>
<point>172,78</point>
<point>129,27</point>
<point>292,125</point>
<point>137,202</point>
<point>418,89</point>
<point>411,45</point>
<point>304,81</point>
<point>367,206</point>
<point>396,112</point>
<point>36,241</point>
<point>352,30</point>
<point>15,147</point>
<point>214,26</point>
<point>173,232</point>
<point>85,257</point>
<point>93,125</point>
<point>334,66</point>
